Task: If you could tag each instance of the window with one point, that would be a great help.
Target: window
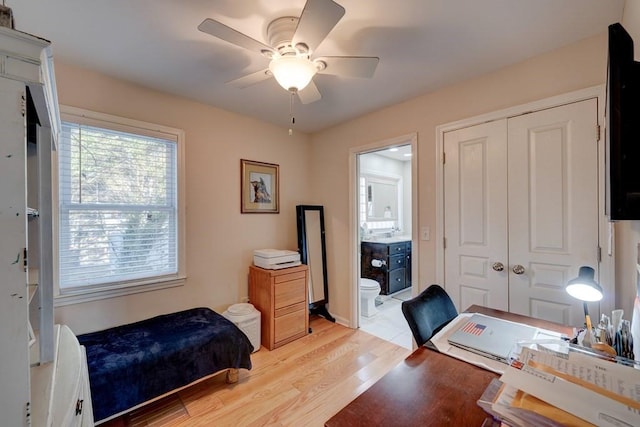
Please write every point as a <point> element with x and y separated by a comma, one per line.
<point>119,206</point>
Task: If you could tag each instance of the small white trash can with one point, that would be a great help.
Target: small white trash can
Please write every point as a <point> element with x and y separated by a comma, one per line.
<point>247,319</point>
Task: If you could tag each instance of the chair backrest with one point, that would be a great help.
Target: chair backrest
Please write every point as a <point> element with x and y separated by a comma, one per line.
<point>428,312</point>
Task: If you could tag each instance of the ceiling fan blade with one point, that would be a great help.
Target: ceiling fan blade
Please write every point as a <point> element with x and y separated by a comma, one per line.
<point>221,31</point>
<point>350,66</point>
<point>309,94</point>
<point>317,20</point>
<point>251,79</point>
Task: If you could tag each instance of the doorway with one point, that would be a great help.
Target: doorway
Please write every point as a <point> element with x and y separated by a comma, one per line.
<point>383,203</point>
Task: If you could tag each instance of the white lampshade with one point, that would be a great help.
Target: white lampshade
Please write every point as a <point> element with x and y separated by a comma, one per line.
<point>292,73</point>
<point>584,287</point>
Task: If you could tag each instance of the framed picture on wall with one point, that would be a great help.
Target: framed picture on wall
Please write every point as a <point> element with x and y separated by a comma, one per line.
<point>260,187</point>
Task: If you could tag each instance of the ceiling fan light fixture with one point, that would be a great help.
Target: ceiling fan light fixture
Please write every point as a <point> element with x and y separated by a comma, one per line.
<point>293,73</point>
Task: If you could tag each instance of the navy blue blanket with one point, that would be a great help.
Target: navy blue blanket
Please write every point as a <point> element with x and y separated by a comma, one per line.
<point>133,363</point>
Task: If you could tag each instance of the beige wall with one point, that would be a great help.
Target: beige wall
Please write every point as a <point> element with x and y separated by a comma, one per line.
<point>571,68</point>
<point>220,240</point>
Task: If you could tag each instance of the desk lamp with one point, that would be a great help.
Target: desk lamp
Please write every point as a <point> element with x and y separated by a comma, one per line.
<point>585,288</point>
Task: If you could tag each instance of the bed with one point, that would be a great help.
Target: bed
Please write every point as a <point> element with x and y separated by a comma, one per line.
<point>138,362</point>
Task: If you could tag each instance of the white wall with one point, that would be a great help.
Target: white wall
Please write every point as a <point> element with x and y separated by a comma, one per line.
<point>406,201</point>
<point>220,240</point>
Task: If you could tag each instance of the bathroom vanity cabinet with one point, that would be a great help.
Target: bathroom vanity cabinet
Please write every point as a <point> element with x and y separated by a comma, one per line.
<point>389,264</point>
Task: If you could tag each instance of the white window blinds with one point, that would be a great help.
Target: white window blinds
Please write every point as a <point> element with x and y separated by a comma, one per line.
<point>118,206</point>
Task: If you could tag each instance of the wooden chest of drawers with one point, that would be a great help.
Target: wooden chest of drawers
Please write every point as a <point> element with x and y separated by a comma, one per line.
<point>281,296</point>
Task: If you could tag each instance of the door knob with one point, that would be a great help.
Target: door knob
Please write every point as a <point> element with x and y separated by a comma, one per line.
<point>518,269</point>
<point>498,266</point>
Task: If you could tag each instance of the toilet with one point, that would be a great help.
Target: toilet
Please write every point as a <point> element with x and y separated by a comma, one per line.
<point>369,290</point>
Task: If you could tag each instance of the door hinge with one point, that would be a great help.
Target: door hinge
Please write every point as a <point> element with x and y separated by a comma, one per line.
<point>23,104</point>
<point>26,263</point>
<point>79,403</point>
<point>598,132</point>
<point>444,158</point>
<point>444,242</point>
<point>599,254</point>
<point>27,413</point>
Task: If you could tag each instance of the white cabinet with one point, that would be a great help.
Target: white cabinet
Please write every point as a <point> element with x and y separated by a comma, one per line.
<point>60,389</point>
<point>37,360</point>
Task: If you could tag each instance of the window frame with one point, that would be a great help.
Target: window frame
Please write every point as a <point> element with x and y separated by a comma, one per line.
<point>121,288</point>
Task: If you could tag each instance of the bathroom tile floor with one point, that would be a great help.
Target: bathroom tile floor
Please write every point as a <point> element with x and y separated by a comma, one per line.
<point>389,324</point>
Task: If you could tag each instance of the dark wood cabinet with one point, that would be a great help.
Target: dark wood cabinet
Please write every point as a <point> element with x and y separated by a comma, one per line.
<point>389,264</point>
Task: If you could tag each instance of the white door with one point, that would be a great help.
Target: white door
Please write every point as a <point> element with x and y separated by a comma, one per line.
<point>475,205</point>
<point>553,208</point>
<point>535,176</point>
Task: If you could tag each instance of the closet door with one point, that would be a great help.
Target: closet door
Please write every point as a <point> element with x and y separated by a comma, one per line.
<point>521,211</point>
<point>553,208</point>
<point>475,201</point>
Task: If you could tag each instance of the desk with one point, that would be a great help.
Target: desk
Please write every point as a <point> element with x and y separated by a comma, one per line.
<point>429,388</point>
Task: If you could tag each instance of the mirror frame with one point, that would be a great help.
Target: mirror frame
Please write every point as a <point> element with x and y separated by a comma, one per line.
<point>375,177</point>
<point>373,188</point>
<point>318,306</point>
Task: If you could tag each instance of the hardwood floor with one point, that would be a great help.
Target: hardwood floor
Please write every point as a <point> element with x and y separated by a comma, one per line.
<point>303,383</point>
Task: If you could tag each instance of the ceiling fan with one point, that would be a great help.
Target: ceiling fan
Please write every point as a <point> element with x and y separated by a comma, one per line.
<point>292,42</point>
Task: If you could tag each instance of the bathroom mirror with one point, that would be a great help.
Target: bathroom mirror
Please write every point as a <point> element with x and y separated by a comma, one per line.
<point>312,249</point>
<point>383,200</point>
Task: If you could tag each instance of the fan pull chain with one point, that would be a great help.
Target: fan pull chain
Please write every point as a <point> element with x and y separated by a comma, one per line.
<point>293,119</point>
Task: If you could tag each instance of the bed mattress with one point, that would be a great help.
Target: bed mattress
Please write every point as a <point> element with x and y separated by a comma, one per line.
<point>133,363</point>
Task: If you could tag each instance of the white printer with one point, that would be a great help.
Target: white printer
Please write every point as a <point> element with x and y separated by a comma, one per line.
<point>274,259</point>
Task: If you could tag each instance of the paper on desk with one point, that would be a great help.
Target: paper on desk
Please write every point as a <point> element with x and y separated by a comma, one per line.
<point>572,394</point>
<point>441,343</point>
<point>539,412</point>
<point>611,377</point>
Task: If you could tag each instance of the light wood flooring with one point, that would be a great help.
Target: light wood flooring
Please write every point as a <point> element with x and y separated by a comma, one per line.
<point>303,383</point>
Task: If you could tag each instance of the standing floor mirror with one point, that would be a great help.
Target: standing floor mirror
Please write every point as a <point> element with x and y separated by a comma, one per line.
<point>313,252</point>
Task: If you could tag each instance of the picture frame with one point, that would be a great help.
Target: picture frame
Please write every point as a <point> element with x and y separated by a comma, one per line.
<point>259,187</point>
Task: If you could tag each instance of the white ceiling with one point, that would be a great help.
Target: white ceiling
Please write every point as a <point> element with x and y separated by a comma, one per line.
<point>423,45</point>
<point>401,153</point>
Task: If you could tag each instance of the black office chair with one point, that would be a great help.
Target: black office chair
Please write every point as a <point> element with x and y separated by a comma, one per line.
<point>429,312</point>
